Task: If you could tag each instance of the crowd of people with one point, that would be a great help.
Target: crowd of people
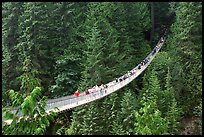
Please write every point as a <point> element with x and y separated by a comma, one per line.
<point>94,89</point>
<point>125,76</point>
<point>103,88</point>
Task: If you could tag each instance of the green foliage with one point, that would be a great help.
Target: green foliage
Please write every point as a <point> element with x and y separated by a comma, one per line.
<point>36,93</point>
<point>166,96</point>
<point>117,128</point>
<point>138,21</point>
<point>65,46</point>
<point>67,51</point>
<point>170,109</point>
<point>94,55</point>
<point>194,88</point>
<point>151,87</point>
<point>34,119</point>
<point>149,120</point>
<point>91,119</point>
<point>10,17</point>
<point>15,98</point>
<point>68,77</point>
<point>124,123</point>
<point>28,78</point>
<point>109,112</point>
<point>60,131</point>
<point>76,122</point>
<point>160,64</point>
<point>174,118</point>
<point>184,46</point>
<point>198,113</point>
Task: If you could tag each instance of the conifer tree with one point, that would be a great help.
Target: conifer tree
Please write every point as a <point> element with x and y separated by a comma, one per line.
<point>138,20</point>
<point>117,127</point>
<point>148,118</point>
<point>75,127</point>
<point>124,123</point>
<point>168,106</point>
<point>91,120</point>
<point>109,112</point>
<point>11,12</point>
<point>174,118</point>
<point>166,96</point>
<point>100,53</point>
<point>25,46</point>
<point>93,66</point>
<point>184,45</point>
<point>119,22</point>
<point>68,57</point>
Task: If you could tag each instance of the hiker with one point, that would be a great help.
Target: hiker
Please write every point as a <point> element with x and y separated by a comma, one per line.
<point>116,80</point>
<point>97,88</point>
<point>102,89</point>
<point>161,40</point>
<point>76,93</point>
<point>139,66</point>
<point>145,61</point>
<point>142,64</point>
<point>89,90</point>
<point>129,73</point>
<point>120,79</point>
<point>124,77</point>
<point>105,88</point>
<point>157,46</point>
<point>86,92</point>
<point>133,71</point>
<point>93,91</point>
<point>154,51</point>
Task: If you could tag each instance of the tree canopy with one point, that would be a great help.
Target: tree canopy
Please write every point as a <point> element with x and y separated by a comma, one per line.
<point>52,49</point>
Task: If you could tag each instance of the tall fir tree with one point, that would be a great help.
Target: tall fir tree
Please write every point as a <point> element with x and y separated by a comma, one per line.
<point>124,122</point>
<point>148,118</point>
<point>100,53</point>
<point>68,56</point>
<point>29,79</point>
<point>11,12</point>
<point>184,45</point>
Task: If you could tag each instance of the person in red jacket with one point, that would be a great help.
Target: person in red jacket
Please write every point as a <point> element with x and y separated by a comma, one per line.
<point>76,93</point>
<point>86,92</point>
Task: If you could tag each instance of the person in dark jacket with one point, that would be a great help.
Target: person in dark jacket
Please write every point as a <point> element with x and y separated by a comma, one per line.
<point>124,77</point>
<point>154,51</point>
<point>120,79</point>
<point>145,61</point>
<point>139,66</point>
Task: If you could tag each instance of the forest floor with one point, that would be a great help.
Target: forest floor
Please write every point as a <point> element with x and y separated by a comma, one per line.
<point>189,126</point>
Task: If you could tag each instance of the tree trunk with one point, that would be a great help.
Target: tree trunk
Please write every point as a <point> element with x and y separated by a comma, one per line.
<point>152,21</point>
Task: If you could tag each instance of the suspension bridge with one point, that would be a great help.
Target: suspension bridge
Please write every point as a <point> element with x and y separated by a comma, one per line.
<point>70,102</point>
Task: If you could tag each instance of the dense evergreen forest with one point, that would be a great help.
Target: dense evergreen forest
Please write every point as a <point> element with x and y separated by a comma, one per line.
<point>52,49</point>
